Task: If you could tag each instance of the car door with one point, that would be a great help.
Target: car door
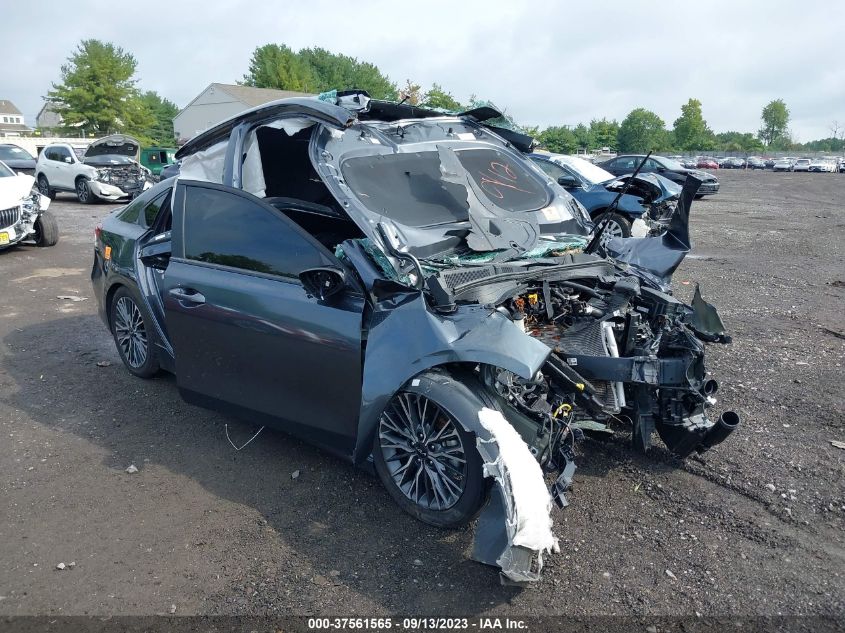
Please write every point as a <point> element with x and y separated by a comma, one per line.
<point>62,173</point>
<point>247,336</point>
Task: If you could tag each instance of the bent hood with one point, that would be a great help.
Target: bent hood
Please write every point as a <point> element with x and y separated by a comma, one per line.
<point>661,187</point>
<point>13,189</point>
<point>119,144</point>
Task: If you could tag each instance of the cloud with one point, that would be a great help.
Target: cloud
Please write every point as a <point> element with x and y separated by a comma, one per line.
<point>545,62</point>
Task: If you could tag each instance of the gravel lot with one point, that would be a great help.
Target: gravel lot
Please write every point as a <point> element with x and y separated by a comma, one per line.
<point>753,527</point>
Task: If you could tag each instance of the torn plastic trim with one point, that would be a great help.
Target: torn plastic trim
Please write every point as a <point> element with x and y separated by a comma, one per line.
<point>515,527</point>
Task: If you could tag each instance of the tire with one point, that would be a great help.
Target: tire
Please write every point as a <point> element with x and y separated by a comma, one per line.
<point>442,399</point>
<point>619,226</point>
<point>46,229</point>
<point>83,191</point>
<point>44,187</point>
<point>132,333</point>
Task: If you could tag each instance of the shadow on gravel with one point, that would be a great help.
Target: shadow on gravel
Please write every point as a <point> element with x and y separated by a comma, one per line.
<point>333,515</point>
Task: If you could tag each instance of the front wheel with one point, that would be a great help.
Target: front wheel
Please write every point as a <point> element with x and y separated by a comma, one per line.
<point>46,229</point>
<point>423,455</point>
<point>617,226</point>
<point>132,331</point>
<point>83,191</point>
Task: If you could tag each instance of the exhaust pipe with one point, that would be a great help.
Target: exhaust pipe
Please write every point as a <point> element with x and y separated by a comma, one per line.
<point>709,387</point>
<point>719,432</point>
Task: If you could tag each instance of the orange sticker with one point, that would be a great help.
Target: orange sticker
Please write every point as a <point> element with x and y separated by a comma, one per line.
<point>107,254</point>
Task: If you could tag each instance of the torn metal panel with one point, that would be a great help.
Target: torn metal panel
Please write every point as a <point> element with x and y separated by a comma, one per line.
<point>705,320</point>
<point>659,257</point>
<point>516,526</point>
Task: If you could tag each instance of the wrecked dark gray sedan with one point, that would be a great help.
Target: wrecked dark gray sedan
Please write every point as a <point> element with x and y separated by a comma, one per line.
<point>408,291</point>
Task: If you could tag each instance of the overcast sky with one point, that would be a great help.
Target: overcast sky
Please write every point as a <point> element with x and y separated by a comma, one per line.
<point>545,62</point>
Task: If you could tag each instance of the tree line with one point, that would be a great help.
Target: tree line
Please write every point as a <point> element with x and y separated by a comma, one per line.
<point>98,92</point>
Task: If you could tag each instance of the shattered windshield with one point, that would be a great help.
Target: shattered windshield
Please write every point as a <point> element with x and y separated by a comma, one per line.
<point>410,188</point>
<point>593,174</point>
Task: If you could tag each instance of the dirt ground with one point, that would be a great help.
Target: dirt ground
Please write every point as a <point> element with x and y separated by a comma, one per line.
<point>752,527</point>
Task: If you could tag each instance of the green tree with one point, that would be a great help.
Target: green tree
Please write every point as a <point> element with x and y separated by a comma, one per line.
<point>738,142</point>
<point>775,121</point>
<point>582,136</point>
<point>163,111</point>
<point>277,66</point>
<point>97,92</point>
<point>603,133</point>
<point>691,131</point>
<point>436,97</point>
<point>642,131</point>
<point>314,70</point>
<point>333,71</point>
<point>558,139</point>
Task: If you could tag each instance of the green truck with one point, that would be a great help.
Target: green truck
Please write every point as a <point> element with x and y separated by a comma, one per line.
<point>155,158</point>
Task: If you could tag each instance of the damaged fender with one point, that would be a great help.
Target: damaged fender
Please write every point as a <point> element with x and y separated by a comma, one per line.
<point>406,339</point>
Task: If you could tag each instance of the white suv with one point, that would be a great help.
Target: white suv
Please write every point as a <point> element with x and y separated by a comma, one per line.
<point>108,169</point>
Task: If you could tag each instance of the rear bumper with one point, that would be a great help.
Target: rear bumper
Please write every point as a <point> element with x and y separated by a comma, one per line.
<point>708,188</point>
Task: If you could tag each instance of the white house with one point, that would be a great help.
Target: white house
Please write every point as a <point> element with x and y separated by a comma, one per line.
<point>220,101</point>
<point>11,120</point>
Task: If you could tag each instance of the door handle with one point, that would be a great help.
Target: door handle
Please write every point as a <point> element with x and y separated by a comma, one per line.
<point>188,295</point>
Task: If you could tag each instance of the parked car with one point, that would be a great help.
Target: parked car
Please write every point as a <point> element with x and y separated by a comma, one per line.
<point>783,164</point>
<point>108,170</point>
<point>707,163</point>
<point>689,163</point>
<point>756,162</point>
<point>406,290</point>
<point>769,163</point>
<point>802,164</point>
<point>666,167</point>
<point>23,211</point>
<point>17,159</point>
<point>156,158</point>
<point>648,204</point>
<point>733,163</point>
<point>823,165</point>
<point>842,165</point>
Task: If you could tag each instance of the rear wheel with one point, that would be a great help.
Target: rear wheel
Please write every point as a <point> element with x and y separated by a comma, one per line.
<point>44,187</point>
<point>46,229</point>
<point>425,458</point>
<point>132,331</point>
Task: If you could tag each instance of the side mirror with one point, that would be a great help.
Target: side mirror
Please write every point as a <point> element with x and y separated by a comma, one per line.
<point>68,159</point>
<point>323,282</point>
<point>568,181</point>
<point>156,254</point>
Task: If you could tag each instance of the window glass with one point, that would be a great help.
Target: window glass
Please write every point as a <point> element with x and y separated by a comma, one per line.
<point>554,171</point>
<point>13,152</point>
<point>62,153</point>
<point>131,211</point>
<point>227,229</point>
<point>152,210</point>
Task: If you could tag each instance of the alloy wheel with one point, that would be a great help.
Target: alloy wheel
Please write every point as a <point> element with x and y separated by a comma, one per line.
<point>82,191</point>
<point>423,451</point>
<point>611,230</point>
<point>130,332</point>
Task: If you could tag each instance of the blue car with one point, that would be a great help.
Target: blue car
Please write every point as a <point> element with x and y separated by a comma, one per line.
<point>645,209</point>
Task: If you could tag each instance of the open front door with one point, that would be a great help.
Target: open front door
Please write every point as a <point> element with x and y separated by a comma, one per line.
<point>247,336</point>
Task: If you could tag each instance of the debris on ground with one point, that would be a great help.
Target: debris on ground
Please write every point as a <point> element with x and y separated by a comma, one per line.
<point>771,487</point>
<point>294,474</point>
<point>132,469</point>
<point>837,444</point>
<point>172,608</point>
<point>103,363</point>
<point>671,575</point>
<point>61,566</point>
<point>71,298</point>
